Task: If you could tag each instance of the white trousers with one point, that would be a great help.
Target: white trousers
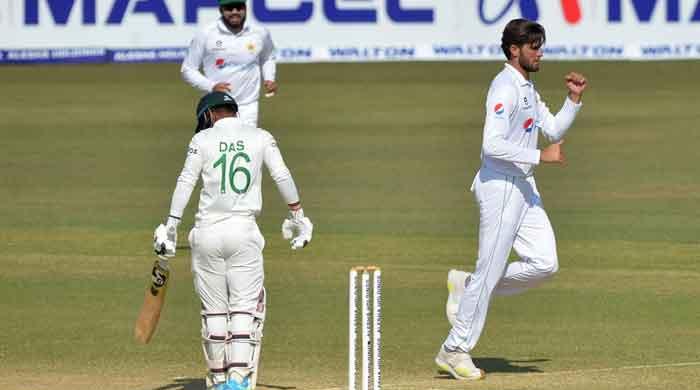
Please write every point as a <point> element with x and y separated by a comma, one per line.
<point>511,216</point>
<point>249,113</point>
<point>227,265</point>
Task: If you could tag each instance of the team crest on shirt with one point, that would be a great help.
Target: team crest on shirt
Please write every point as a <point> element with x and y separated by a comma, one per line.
<point>218,46</point>
<point>250,46</point>
<point>528,125</point>
<point>498,108</point>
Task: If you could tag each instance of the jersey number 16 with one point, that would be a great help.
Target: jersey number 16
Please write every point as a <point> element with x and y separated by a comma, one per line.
<point>232,171</point>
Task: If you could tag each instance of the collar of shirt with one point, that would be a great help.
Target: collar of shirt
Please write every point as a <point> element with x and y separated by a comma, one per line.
<point>522,81</point>
<point>228,121</point>
<point>224,29</point>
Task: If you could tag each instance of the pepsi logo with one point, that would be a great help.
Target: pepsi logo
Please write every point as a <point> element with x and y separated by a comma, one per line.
<point>498,109</point>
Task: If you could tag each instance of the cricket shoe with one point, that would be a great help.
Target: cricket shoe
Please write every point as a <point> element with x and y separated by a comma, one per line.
<point>459,365</point>
<point>456,282</point>
<point>211,384</point>
<point>234,384</point>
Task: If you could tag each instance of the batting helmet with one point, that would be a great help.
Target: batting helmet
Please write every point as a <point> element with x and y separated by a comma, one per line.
<point>209,101</point>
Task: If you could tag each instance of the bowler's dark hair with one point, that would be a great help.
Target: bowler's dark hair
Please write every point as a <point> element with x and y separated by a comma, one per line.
<point>520,32</point>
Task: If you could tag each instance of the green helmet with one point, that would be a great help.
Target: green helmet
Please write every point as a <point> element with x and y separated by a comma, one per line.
<point>212,100</point>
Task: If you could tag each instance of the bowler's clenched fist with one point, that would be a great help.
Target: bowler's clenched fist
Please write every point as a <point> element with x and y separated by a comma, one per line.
<point>553,154</point>
<point>576,84</point>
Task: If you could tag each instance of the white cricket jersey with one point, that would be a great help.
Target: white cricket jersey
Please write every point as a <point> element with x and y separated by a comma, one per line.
<point>229,157</point>
<point>233,58</point>
<point>515,114</point>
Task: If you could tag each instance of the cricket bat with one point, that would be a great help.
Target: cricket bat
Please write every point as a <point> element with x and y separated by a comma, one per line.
<point>153,301</point>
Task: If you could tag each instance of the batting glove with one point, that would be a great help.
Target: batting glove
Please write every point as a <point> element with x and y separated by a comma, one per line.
<point>163,246</point>
<point>171,227</point>
<point>297,228</point>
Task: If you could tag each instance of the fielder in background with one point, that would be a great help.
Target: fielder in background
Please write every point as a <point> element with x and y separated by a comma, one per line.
<point>227,246</point>
<point>511,212</point>
<point>233,55</point>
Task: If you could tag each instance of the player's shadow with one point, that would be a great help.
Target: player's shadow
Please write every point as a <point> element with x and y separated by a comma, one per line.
<point>184,384</point>
<point>198,384</point>
<point>492,365</point>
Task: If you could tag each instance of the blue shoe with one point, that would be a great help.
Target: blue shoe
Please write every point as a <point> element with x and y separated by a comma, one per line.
<point>233,384</point>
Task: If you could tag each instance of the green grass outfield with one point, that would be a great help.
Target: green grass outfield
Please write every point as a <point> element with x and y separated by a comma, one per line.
<point>383,155</point>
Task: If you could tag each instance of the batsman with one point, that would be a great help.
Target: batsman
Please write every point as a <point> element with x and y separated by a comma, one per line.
<point>227,246</point>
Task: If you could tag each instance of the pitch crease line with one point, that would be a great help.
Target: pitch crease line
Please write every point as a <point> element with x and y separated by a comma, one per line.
<point>641,367</point>
<point>686,364</point>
